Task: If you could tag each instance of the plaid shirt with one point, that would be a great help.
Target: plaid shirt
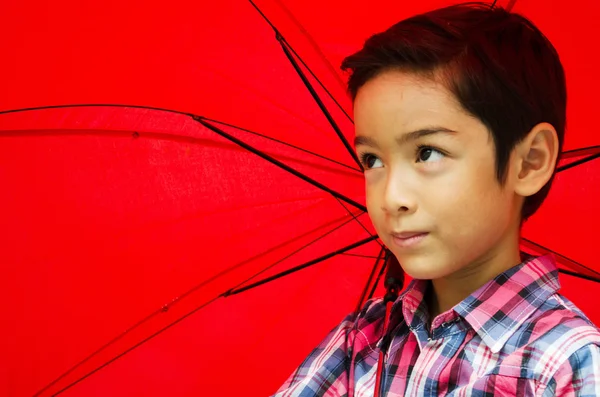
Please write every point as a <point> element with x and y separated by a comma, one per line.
<point>515,336</point>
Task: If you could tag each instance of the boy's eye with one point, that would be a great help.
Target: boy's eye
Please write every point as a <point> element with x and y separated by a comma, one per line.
<point>370,161</point>
<point>428,154</point>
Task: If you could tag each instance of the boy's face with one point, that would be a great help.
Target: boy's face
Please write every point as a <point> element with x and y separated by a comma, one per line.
<point>433,197</point>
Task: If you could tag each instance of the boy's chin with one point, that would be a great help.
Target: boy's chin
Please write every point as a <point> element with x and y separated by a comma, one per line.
<point>426,267</point>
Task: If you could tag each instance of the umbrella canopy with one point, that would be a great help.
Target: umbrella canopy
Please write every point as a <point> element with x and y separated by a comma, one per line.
<point>157,159</point>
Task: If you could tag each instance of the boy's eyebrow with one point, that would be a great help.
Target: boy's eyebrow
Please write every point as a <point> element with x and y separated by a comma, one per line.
<point>404,138</point>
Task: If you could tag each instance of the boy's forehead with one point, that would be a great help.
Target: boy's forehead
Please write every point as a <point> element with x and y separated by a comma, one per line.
<point>403,82</point>
<point>405,103</point>
<point>395,104</point>
<point>395,88</point>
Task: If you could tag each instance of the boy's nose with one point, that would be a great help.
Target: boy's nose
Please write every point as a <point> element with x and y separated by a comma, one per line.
<point>399,196</point>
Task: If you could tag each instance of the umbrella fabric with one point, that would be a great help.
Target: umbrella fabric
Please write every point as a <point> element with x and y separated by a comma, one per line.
<point>154,156</point>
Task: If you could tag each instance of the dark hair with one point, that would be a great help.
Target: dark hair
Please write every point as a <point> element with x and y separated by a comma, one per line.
<point>500,67</point>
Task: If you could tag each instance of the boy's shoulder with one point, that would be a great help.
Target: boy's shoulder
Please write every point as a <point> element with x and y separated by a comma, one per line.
<point>559,324</point>
<point>554,336</point>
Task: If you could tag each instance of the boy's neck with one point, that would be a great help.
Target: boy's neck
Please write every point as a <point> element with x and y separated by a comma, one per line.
<point>445,293</point>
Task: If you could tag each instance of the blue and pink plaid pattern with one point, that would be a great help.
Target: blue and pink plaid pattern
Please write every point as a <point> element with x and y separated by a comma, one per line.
<point>515,336</point>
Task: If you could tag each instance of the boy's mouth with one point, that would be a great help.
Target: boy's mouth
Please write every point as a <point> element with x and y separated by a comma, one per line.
<point>408,239</point>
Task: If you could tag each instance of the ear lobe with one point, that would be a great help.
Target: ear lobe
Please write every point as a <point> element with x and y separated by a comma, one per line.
<point>536,159</point>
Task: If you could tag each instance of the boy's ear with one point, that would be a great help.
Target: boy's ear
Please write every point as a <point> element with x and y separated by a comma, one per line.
<point>535,159</point>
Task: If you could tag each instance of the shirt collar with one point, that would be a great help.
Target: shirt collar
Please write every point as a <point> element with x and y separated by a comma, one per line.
<point>497,309</point>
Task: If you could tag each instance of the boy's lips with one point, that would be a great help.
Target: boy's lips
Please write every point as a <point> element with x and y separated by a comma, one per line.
<point>408,239</point>
<point>406,234</point>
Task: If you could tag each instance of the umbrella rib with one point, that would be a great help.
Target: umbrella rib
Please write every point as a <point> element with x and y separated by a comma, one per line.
<point>575,274</point>
<point>263,15</point>
<point>301,60</point>
<point>279,163</point>
<point>86,105</point>
<point>283,143</point>
<point>539,246</point>
<point>360,256</point>
<point>578,162</point>
<point>300,267</point>
<point>319,81</point>
<point>291,254</point>
<point>132,348</point>
<point>357,220</point>
<point>156,312</point>
<point>369,281</point>
<point>318,100</point>
<point>381,271</point>
<point>65,374</point>
<point>580,152</point>
<point>284,45</point>
<point>376,263</point>
<point>165,308</point>
<point>182,114</point>
<point>178,320</point>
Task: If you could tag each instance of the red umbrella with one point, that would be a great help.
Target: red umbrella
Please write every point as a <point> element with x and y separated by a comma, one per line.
<point>182,212</point>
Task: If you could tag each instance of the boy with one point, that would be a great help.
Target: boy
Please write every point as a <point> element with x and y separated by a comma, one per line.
<point>460,116</point>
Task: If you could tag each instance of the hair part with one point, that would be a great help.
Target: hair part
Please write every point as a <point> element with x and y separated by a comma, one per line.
<point>499,66</point>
